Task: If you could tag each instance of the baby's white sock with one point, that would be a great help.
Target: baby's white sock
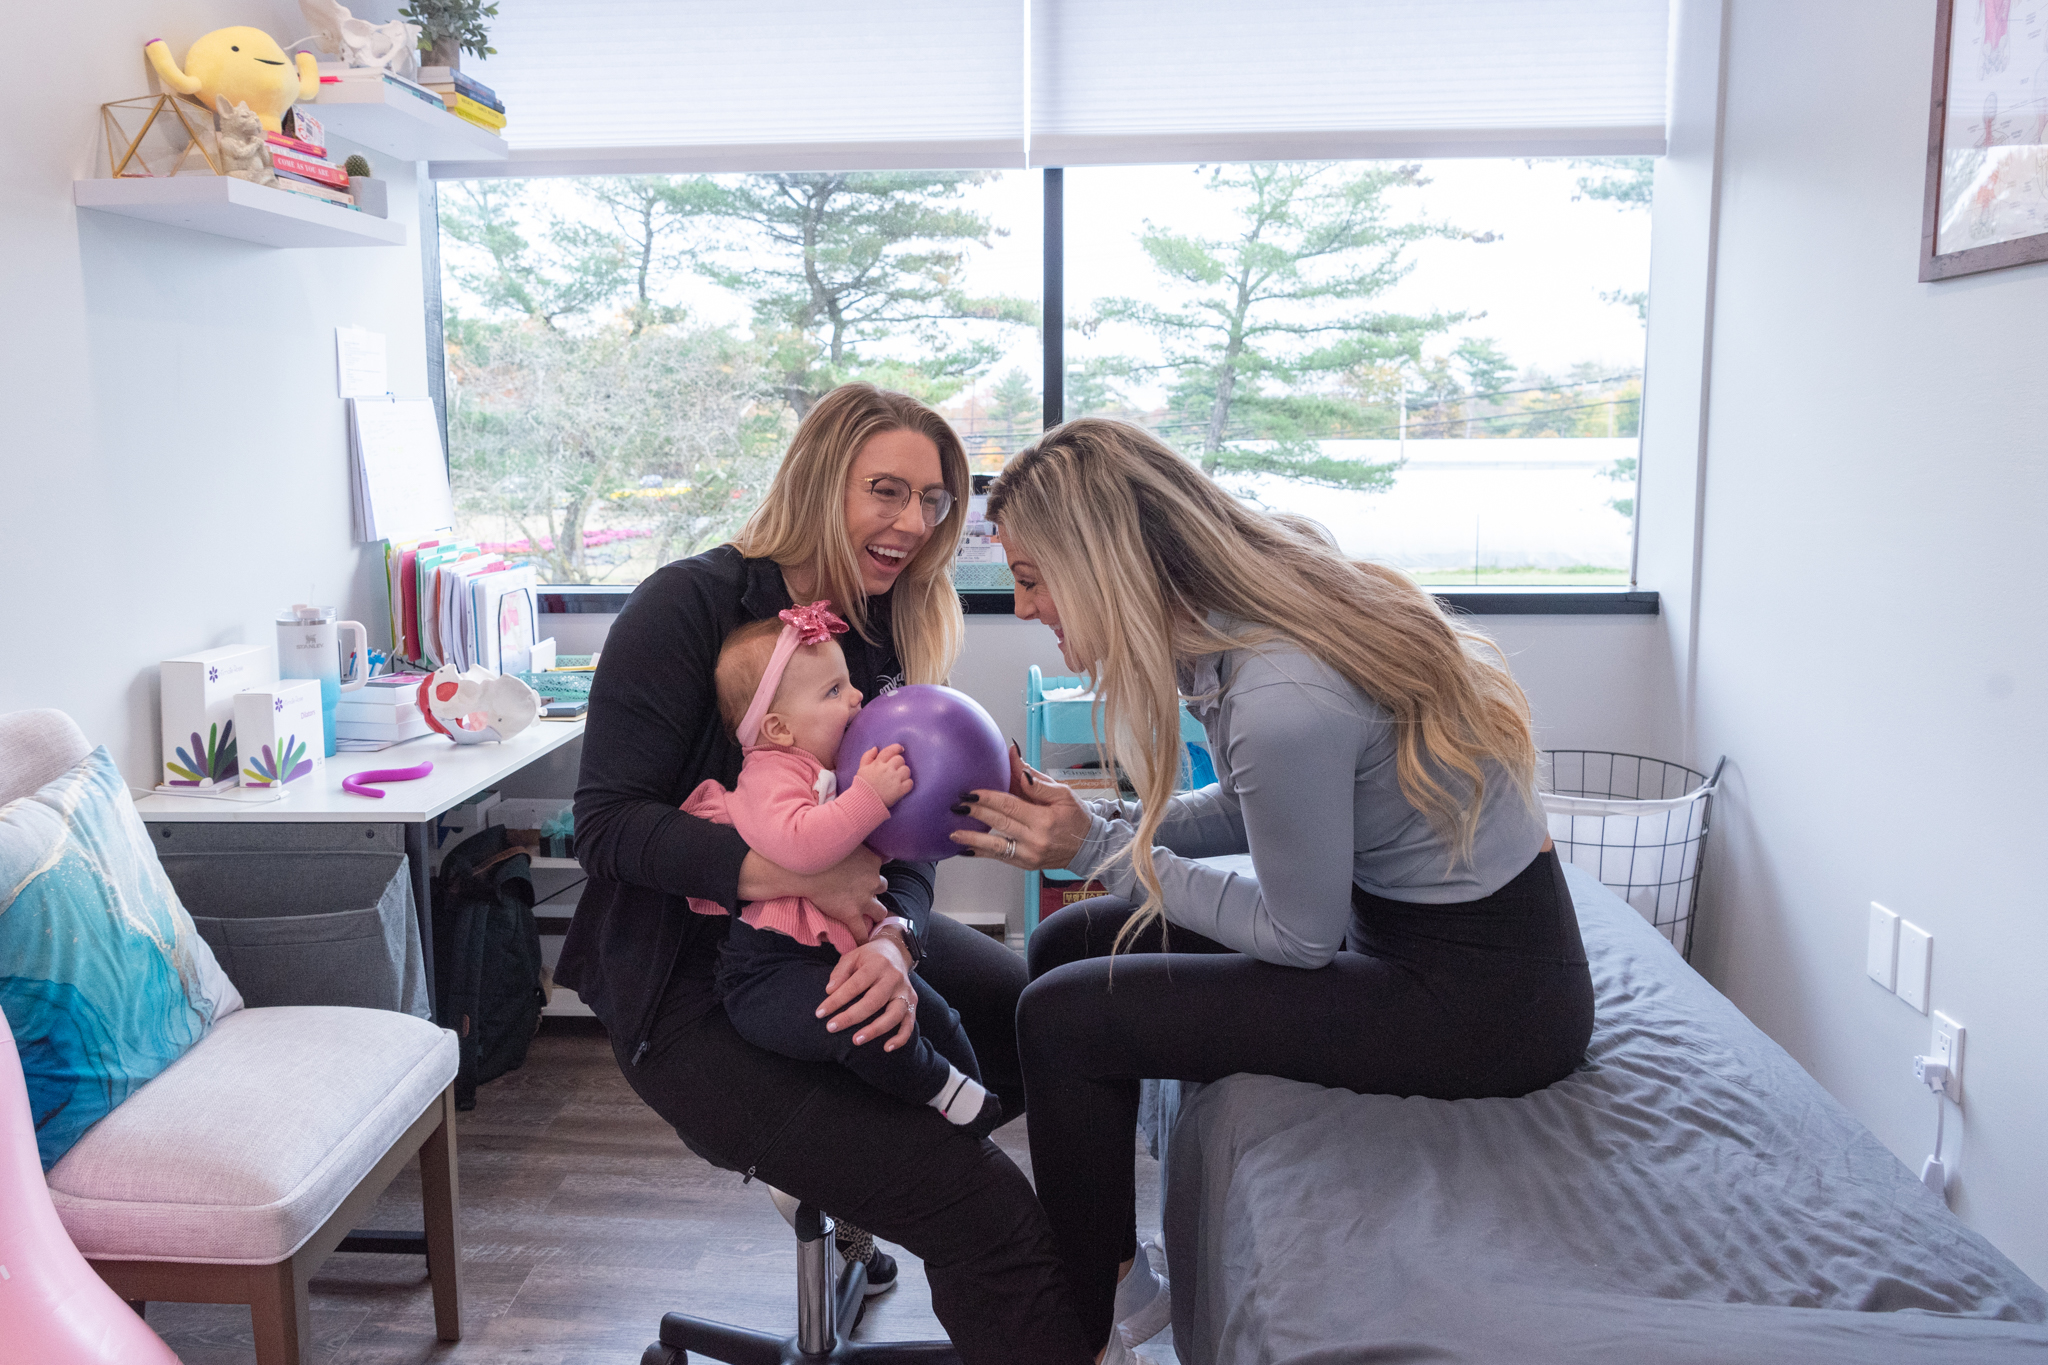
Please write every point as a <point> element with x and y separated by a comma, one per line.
<point>959,1099</point>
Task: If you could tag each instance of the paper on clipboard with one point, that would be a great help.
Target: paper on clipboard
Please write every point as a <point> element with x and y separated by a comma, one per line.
<point>400,473</point>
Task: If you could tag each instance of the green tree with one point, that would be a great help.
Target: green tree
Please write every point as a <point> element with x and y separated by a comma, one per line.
<point>1435,399</point>
<point>643,230</point>
<point>1259,325</point>
<point>1623,470</point>
<point>1486,366</point>
<point>565,273</point>
<point>1094,389</point>
<point>562,433</point>
<point>1623,180</point>
<point>1014,404</point>
<point>838,266</point>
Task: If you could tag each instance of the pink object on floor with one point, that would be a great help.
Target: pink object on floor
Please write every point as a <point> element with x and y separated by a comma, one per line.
<point>56,1311</point>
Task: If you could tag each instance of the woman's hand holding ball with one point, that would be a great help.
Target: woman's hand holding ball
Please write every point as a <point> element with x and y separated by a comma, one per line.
<point>1037,824</point>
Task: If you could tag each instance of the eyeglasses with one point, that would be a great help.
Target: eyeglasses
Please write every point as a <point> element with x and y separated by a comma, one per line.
<point>893,494</point>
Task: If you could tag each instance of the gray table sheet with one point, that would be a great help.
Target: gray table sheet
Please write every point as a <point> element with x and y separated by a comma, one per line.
<point>1690,1195</point>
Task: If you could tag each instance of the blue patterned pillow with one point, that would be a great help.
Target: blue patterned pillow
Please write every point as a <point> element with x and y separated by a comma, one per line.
<point>103,979</point>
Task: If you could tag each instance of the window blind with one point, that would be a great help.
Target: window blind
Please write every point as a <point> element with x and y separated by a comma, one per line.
<point>1133,81</point>
<point>595,87</point>
<point>617,86</point>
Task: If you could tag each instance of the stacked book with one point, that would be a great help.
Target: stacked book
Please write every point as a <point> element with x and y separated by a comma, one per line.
<point>465,97</point>
<point>343,84</point>
<point>299,156</point>
<point>385,710</point>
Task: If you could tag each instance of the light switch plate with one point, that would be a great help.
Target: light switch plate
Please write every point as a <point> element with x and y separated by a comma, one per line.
<point>1916,960</point>
<point>1882,957</point>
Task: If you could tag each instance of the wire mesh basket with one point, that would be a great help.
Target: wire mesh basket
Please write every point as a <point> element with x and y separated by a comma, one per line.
<point>1638,824</point>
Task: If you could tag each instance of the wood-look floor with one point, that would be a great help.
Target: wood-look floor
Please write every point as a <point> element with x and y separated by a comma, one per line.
<point>584,1219</point>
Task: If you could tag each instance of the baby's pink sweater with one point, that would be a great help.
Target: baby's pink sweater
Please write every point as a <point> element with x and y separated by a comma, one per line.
<point>779,810</point>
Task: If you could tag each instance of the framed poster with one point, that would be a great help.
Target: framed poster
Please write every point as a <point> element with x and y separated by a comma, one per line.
<point>1987,139</point>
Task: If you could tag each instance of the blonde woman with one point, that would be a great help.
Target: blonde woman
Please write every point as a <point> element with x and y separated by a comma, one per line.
<point>1405,929</point>
<point>864,512</point>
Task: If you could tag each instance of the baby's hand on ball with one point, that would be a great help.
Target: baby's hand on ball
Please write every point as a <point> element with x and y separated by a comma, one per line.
<point>887,773</point>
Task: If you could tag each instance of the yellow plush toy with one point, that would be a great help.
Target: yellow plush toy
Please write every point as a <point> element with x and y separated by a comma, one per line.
<point>244,66</point>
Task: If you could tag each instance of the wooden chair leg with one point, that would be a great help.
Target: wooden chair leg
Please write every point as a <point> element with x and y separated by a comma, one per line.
<point>441,1197</point>
<point>281,1313</point>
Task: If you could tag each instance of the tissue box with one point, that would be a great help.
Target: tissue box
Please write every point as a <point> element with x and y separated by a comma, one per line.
<point>278,731</point>
<point>199,711</point>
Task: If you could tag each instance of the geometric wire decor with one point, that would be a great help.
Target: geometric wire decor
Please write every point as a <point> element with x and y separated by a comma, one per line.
<point>155,136</point>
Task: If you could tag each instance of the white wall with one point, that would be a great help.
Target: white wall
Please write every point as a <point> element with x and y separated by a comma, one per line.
<point>1868,648</point>
<point>172,462</point>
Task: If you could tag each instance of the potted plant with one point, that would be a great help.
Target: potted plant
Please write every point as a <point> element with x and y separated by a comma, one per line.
<point>370,195</point>
<point>449,28</point>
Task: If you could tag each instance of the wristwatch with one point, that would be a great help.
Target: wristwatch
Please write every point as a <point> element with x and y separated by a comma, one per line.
<point>909,932</point>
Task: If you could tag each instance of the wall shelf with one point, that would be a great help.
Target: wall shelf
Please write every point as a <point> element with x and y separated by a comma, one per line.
<point>227,207</point>
<point>403,125</point>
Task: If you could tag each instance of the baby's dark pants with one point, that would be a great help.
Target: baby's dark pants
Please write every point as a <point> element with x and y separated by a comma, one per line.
<point>770,986</point>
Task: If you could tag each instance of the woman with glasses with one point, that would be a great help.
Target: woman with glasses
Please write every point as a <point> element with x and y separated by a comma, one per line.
<point>865,513</point>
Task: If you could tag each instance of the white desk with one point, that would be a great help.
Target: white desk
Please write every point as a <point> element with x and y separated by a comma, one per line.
<point>460,772</point>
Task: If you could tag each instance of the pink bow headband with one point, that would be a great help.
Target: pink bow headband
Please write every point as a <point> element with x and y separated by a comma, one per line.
<point>807,625</point>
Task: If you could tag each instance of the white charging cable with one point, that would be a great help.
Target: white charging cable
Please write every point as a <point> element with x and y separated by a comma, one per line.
<point>1934,1074</point>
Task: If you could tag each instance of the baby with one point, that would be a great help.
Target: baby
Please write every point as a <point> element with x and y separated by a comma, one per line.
<point>783,688</point>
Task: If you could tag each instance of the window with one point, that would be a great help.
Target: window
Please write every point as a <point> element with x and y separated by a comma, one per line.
<point>1439,361</point>
<point>628,356</point>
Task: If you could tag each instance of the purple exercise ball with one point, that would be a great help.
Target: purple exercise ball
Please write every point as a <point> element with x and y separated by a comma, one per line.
<point>951,745</point>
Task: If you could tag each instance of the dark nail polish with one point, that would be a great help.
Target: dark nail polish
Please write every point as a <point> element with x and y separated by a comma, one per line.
<point>967,853</point>
<point>961,809</point>
<point>968,798</point>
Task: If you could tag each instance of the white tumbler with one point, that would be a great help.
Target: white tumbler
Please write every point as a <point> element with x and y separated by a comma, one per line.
<point>307,647</point>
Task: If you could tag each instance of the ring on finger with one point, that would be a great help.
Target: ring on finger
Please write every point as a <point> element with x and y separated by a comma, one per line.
<point>1009,848</point>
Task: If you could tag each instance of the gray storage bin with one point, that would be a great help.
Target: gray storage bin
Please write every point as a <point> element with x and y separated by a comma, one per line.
<point>303,914</point>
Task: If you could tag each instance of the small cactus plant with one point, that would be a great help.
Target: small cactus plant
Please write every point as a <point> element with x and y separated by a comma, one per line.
<point>357,166</point>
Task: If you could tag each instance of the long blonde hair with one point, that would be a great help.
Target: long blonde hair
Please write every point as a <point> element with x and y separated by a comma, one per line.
<point>802,524</point>
<point>1138,547</point>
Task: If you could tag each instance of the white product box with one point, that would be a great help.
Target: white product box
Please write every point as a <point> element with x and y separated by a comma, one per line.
<point>278,731</point>
<point>199,712</point>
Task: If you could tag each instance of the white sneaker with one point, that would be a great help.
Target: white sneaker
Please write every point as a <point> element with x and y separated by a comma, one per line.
<point>1144,1301</point>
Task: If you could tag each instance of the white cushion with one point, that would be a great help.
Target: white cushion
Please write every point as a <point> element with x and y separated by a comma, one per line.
<point>238,1151</point>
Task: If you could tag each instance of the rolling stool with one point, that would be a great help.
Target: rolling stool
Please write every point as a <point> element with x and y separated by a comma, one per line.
<point>820,1307</point>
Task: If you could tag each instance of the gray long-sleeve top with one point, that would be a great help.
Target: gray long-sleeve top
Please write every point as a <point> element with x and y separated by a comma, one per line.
<point>1306,785</point>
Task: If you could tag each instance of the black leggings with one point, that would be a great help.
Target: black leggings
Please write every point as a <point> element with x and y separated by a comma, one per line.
<point>902,1172</point>
<point>1487,998</point>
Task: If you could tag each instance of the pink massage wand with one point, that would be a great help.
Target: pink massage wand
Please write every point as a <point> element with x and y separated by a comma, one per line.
<point>354,782</point>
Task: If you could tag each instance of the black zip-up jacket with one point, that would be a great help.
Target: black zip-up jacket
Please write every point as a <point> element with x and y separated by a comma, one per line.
<point>653,734</point>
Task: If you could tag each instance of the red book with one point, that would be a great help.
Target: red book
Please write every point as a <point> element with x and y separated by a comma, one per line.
<point>317,171</point>
<point>285,142</point>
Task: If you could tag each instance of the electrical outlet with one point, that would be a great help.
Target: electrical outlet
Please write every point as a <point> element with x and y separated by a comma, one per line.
<point>1881,958</point>
<point>1948,1047</point>
<point>1916,960</point>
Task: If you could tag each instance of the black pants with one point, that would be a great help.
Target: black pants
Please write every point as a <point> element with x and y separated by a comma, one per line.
<point>770,986</point>
<point>822,1134</point>
<point>1487,998</point>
